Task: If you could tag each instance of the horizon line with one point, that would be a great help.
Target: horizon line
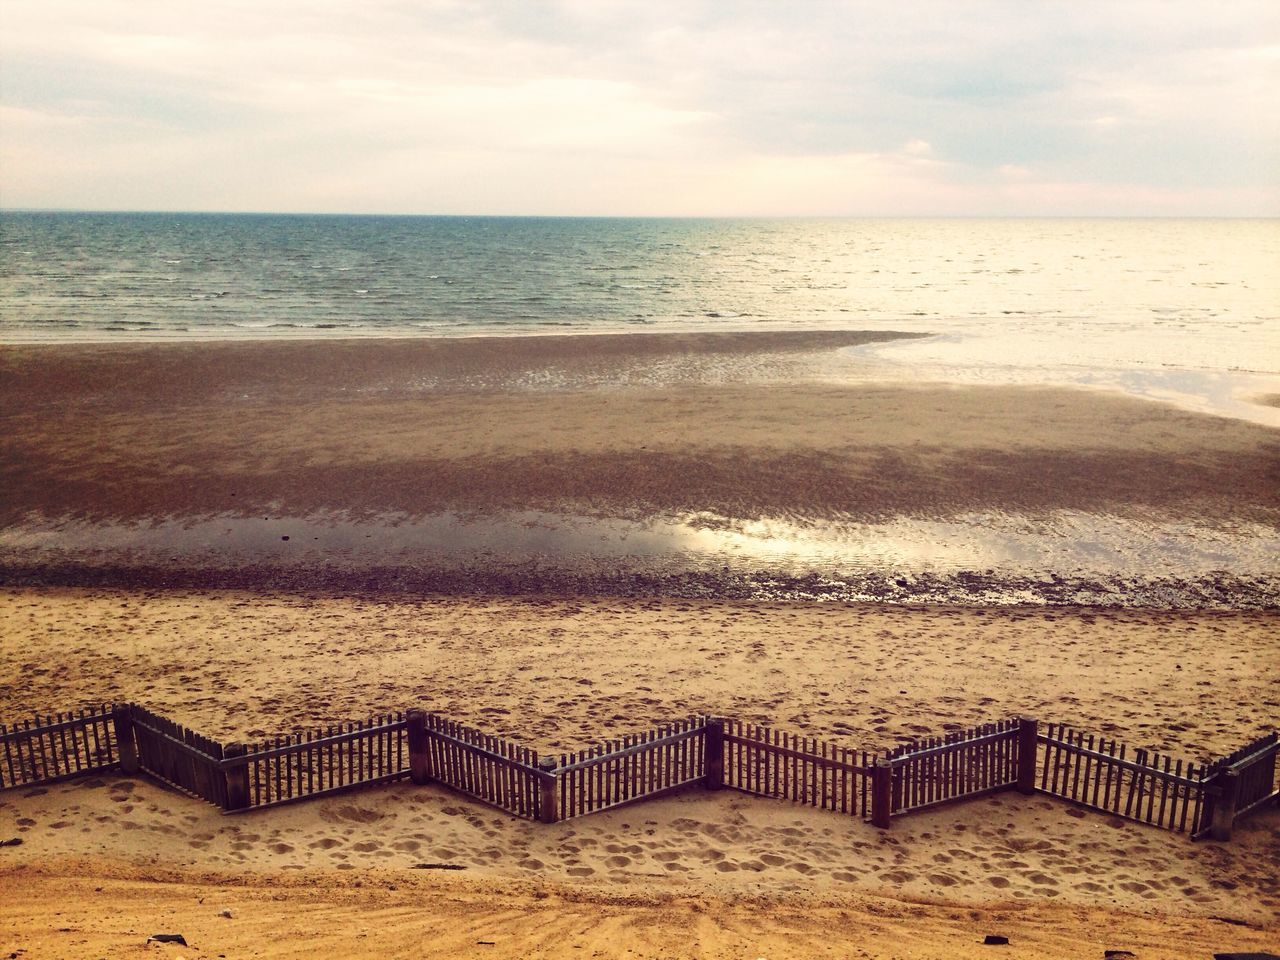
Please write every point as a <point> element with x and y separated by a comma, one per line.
<point>645,216</point>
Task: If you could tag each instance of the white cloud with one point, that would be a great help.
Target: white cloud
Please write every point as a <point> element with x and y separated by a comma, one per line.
<point>657,107</point>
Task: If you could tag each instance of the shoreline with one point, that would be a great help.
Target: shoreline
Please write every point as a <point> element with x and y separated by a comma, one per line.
<point>324,335</point>
<point>1209,592</point>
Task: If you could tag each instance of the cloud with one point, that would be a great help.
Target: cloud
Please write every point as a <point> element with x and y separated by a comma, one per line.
<point>659,107</point>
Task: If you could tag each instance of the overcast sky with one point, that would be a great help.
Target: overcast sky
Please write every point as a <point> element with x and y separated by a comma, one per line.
<point>681,108</point>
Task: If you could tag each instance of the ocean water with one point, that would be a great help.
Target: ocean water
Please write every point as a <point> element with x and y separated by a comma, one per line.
<point>1183,310</point>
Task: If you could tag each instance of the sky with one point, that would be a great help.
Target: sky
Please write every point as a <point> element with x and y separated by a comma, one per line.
<point>691,108</point>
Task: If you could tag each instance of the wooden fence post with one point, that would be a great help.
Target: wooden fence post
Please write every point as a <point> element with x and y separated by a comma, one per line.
<point>1224,805</point>
<point>237,778</point>
<point>882,793</point>
<point>548,791</point>
<point>713,779</point>
<point>418,756</point>
<point>126,742</point>
<point>1028,728</point>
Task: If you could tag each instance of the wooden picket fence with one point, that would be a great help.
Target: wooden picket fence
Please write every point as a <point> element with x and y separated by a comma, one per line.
<point>931,771</point>
<point>1246,782</point>
<point>1141,785</point>
<point>637,767</point>
<point>711,752</point>
<point>316,762</point>
<point>496,771</point>
<point>57,747</point>
<point>771,763</point>
<point>170,752</point>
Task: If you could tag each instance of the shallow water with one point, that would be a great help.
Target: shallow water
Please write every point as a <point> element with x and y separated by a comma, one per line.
<point>1067,542</point>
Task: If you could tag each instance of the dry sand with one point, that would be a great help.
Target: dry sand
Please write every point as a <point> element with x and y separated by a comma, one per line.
<point>562,673</point>
<point>740,874</point>
<point>109,913</point>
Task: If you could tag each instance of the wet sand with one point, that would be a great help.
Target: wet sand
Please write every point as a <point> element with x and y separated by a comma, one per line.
<point>708,429</point>
<point>161,430</point>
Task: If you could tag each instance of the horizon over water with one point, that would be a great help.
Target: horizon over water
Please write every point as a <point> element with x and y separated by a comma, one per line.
<point>1185,310</point>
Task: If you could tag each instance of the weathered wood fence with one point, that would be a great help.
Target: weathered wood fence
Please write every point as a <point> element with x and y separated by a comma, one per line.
<point>712,752</point>
<point>495,771</point>
<point>314,763</point>
<point>770,763</point>
<point>637,767</point>
<point>1144,785</point>
<point>936,770</point>
<point>170,752</point>
<point>1245,781</point>
<point>57,747</point>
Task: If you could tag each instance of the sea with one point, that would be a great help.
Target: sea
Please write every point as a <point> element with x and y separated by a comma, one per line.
<point>1185,311</point>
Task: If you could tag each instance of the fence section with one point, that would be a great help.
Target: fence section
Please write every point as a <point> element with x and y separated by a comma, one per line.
<point>176,755</point>
<point>932,771</point>
<point>1202,800</point>
<point>316,762</point>
<point>47,749</point>
<point>497,771</point>
<point>771,763</point>
<point>1255,765</point>
<point>1242,783</point>
<point>622,771</point>
<point>1140,785</point>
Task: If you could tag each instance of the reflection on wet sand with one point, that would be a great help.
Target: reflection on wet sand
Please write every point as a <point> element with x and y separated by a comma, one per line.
<point>566,548</point>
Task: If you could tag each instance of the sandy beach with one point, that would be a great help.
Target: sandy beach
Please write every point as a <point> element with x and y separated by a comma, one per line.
<point>607,428</point>
<point>141,431</point>
<point>533,465</point>
<point>559,674</point>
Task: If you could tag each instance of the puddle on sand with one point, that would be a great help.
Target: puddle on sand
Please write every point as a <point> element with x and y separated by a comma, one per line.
<point>1063,542</point>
